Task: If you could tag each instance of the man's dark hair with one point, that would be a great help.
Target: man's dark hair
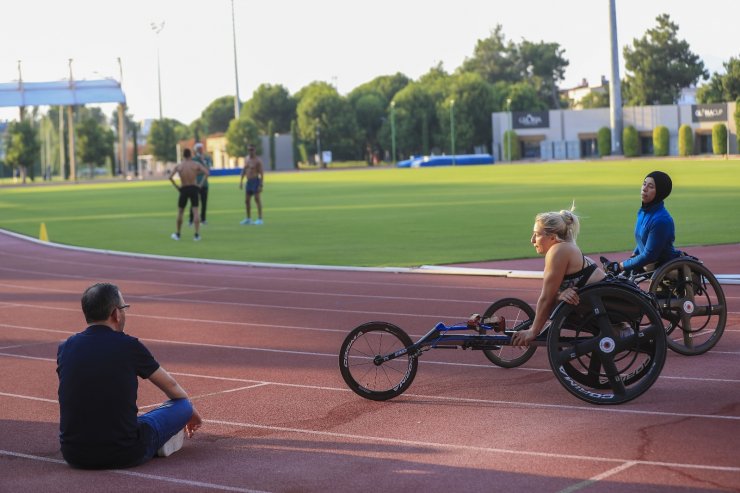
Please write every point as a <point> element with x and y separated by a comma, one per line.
<point>187,153</point>
<point>99,301</point>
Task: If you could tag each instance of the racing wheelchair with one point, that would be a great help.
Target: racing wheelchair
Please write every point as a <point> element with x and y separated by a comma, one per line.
<point>609,349</point>
<point>690,301</point>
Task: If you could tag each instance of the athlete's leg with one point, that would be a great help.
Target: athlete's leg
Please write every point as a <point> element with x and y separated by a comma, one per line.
<point>203,201</point>
<point>258,201</point>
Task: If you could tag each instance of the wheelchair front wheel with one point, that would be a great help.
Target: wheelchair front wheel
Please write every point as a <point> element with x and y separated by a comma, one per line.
<point>362,369</point>
<point>515,312</point>
<point>692,303</point>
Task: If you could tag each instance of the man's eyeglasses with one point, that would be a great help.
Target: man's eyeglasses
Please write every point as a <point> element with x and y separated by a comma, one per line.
<point>123,307</point>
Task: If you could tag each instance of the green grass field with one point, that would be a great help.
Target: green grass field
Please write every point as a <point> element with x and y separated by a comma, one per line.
<point>387,217</point>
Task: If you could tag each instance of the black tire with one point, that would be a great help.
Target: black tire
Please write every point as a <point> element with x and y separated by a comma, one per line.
<point>515,312</point>
<point>611,347</point>
<point>692,303</point>
<point>361,370</point>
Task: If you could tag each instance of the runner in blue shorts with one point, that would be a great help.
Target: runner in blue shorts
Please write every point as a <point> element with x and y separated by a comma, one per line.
<point>254,172</point>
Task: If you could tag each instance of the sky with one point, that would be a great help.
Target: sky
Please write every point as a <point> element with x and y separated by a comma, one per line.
<point>294,42</point>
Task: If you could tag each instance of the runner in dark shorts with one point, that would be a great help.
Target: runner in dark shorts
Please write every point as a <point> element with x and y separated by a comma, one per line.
<point>190,192</point>
<point>253,185</point>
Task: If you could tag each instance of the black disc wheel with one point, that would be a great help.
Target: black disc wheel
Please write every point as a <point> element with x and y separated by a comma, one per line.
<point>364,364</point>
<point>692,304</point>
<point>610,348</point>
<point>514,312</point>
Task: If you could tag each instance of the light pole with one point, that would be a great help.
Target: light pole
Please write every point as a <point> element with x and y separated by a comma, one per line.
<point>157,28</point>
<point>511,124</point>
<point>236,69</point>
<point>393,131</point>
<point>452,129</point>
<point>318,143</point>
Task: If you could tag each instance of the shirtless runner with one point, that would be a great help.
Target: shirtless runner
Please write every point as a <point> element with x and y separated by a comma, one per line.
<point>254,172</point>
<point>188,171</point>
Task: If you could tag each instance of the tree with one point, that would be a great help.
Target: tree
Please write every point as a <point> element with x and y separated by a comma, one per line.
<point>722,87</point>
<point>385,85</point>
<point>323,113</point>
<point>685,140</point>
<point>661,140</point>
<point>163,138</point>
<point>604,141</point>
<point>95,142</point>
<point>631,140</point>
<point>415,109</point>
<point>544,63</point>
<point>473,104</point>
<point>719,138</point>
<point>240,134</point>
<point>370,112</point>
<point>21,146</point>
<point>540,64</point>
<point>659,65</point>
<point>595,100</point>
<point>494,58</point>
<point>524,97</point>
<point>271,103</point>
<point>215,118</point>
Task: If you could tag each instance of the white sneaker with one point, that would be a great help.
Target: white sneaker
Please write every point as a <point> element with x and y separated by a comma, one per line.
<point>245,222</point>
<point>172,445</point>
<point>175,236</point>
<point>258,221</point>
<point>196,238</point>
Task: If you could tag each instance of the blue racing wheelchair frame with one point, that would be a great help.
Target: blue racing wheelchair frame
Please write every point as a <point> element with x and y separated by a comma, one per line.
<point>609,349</point>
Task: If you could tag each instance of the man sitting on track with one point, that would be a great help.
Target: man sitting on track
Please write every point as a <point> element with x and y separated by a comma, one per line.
<point>98,370</point>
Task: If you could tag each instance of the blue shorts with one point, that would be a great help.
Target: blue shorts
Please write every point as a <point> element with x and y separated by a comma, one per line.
<point>253,186</point>
<point>164,423</point>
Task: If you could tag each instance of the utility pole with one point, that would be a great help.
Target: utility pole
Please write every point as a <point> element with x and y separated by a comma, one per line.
<point>615,86</point>
<point>236,69</point>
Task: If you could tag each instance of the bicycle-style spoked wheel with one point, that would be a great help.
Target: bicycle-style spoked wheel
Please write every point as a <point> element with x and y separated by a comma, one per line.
<point>514,312</point>
<point>693,305</point>
<point>611,348</point>
<point>362,367</point>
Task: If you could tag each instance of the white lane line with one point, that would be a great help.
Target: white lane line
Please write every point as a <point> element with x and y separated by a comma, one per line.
<point>205,289</point>
<point>220,392</point>
<point>155,477</point>
<point>598,477</point>
<point>469,448</point>
<point>259,277</point>
<point>487,402</point>
<point>28,397</point>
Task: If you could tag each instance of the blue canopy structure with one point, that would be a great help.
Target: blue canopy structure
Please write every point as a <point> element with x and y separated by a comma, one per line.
<point>67,93</point>
<point>61,93</point>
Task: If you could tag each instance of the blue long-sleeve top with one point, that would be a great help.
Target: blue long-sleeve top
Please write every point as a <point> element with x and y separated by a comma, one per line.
<point>654,235</point>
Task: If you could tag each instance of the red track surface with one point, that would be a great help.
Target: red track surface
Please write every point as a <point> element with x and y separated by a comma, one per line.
<point>258,350</point>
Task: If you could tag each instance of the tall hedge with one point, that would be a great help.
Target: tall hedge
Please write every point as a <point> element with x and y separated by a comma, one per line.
<point>685,141</point>
<point>516,149</point>
<point>737,122</point>
<point>604,141</point>
<point>661,140</point>
<point>719,138</point>
<point>631,142</point>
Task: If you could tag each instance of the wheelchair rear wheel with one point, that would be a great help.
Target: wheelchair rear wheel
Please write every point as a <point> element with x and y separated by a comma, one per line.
<point>692,303</point>
<point>610,348</point>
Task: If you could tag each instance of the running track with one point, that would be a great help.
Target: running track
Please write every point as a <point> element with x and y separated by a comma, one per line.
<point>257,350</point>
